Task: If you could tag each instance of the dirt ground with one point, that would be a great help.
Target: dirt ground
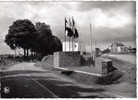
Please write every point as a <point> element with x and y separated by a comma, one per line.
<point>125,86</point>
<point>128,68</point>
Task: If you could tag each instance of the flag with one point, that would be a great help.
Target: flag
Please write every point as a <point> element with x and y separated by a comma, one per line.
<point>73,22</point>
<point>76,35</point>
<point>75,32</point>
<point>66,23</point>
<point>68,28</point>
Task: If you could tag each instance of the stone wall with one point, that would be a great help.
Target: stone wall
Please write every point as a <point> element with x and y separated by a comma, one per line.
<point>67,59</point>
<point>48,59</point>
<point>103,66</point>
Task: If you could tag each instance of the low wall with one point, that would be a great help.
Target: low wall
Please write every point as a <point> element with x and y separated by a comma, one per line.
<point>68,59</point>
<point>48,59</point>
<point>103,66</point>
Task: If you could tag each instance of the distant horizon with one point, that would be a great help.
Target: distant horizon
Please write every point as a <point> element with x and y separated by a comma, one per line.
<point>5,49</point>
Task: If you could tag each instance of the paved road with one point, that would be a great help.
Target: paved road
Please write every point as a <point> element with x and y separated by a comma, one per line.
<point>24,66</point>
<point>31,82</point>
<point>123,57</point>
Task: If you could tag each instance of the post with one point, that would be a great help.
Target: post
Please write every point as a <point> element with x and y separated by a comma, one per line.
<point>91,41</point>
<point>65,41</point>
<point>69,43</point>
<point>65,36</point>
<point>72,44</point>
<point>15,52</point>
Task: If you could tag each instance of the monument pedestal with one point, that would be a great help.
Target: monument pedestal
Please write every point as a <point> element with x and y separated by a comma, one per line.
<point>103,66</point>
<point>67,59</point>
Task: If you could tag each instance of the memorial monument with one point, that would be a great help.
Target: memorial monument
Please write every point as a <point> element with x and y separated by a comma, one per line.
<point>70,55</point>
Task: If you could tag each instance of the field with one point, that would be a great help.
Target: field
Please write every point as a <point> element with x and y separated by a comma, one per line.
<point>6,61</point>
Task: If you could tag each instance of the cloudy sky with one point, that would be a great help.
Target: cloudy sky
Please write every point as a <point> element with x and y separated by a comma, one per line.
<point>111,21</point>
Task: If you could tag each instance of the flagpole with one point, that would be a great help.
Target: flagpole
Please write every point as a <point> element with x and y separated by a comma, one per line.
<point>72,43</point>
<point>65,40</point>
<point>65,34</point>
<point>91,40</point>
<point>73,34</point>
<point>73,23</point>
<point>69,44</point>
<point>69,36</point>
<point>94,39</point>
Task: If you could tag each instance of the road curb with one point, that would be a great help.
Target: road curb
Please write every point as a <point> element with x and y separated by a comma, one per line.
<point>88,78</point>
<point>76,71</point>
<point>81,76</point>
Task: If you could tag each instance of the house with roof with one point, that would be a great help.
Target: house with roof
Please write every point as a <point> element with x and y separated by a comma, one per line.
<point>118,47</point>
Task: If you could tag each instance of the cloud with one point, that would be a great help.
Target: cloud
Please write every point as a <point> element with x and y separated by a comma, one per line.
<point>110,20</point>
<point>115,21</point>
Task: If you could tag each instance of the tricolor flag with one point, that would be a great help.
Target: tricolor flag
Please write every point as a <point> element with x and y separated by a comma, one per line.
<point>68,28</point>
<point>75,32</point>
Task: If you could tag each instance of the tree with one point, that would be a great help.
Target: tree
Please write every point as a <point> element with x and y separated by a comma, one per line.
<point>11,42</point>
<point>22,33</point>
<point>44,38</point>
<point>48,43</point>
<point>56,44</point>
<point>43,29</point>
<point>106,51</point>
<point>36,38</point>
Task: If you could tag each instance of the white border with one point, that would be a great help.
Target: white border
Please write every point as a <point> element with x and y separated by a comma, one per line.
<point>78,1</point>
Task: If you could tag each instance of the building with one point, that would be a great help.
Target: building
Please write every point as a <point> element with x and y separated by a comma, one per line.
<point>118,47</point>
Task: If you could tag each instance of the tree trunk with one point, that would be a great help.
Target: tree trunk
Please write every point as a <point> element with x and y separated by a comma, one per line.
<point>27,54</point>
<point>24,52</point>
<point>31,53</point>
<point>15,53</point>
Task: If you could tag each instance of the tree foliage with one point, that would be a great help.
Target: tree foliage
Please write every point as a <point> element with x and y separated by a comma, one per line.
<point>36,38</point>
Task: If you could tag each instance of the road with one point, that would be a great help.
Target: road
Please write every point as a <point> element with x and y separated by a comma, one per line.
<point>25,80</point>
<point>123,57</point>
